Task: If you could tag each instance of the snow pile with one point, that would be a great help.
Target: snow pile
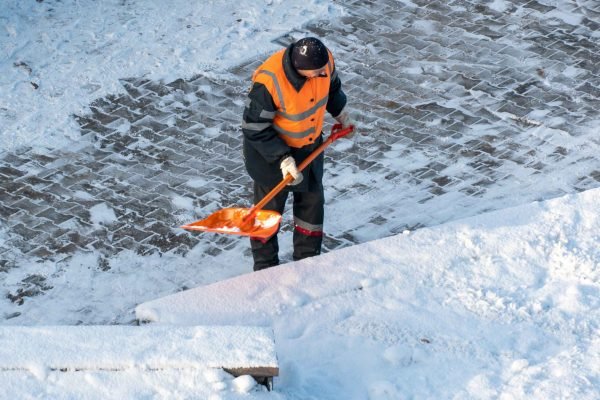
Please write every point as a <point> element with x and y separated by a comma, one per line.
<point>56,57</point>
<point>116,347</point>
<point>102,214</point>
<point>209,384</point>
<point>154,360</point>
<point>500,305</point>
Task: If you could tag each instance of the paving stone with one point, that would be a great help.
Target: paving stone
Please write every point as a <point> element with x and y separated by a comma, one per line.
<point>54,216</point>
<point>6,211</point>
<point>29,206</point>
<point>41,252</point>
<point>457,94</point>
<point>11,173</point>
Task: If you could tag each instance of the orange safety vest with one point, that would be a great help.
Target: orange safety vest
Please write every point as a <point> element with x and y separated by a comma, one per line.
<point>299,115</point>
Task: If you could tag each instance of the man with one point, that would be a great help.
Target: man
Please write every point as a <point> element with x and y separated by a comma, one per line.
<point>282,125</point>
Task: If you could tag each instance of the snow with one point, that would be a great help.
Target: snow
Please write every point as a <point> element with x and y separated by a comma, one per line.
<point>75,53</point>
<point>566,17</point>
<point>267,222</point>
<point>499,5</point>
<point>182,202</point>
<point>196,183</point>
<point>503,305</point>
<point>230,229</point>
<point>244,383</point>
<point>207,384</point>
<point>93,361</point>
<point>119,347</point>
<point>102,214</point>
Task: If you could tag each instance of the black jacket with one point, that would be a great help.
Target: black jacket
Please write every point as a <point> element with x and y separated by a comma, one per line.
<point>264,149</point>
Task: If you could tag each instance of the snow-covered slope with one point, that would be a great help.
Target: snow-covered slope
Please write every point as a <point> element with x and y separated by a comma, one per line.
<point>504,305</point>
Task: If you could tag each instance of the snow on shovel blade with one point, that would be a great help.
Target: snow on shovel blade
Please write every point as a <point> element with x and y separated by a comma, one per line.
<point>231,221</point>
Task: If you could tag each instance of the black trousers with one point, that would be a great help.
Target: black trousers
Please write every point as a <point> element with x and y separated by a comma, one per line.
<point>308,226</point>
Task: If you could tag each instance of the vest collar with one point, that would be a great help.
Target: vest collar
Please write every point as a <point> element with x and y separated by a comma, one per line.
<point>291,74</point>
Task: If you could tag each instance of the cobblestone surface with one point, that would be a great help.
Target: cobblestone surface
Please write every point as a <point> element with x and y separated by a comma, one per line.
<point>463,109</point>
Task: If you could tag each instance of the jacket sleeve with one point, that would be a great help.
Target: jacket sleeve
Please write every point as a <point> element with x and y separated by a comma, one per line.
<point>257,125</point>
<point>337,97</point>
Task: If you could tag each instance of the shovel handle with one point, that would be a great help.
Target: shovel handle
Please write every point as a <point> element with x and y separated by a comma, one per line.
<point>337,131</point>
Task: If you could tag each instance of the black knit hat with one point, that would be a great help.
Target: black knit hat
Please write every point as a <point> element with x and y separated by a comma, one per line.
<point>309,54</point>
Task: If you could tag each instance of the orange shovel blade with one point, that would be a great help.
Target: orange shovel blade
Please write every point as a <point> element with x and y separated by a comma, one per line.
<point>231,221</point>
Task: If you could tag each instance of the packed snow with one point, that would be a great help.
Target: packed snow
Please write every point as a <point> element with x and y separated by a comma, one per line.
<point>119,347</point>
<point>503,305</point>
<point>209,384</point>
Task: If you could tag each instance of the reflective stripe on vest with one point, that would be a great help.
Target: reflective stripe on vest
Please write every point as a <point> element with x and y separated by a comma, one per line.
<point>276,83</point>
<point>305,114</point>
<point>294,135</point>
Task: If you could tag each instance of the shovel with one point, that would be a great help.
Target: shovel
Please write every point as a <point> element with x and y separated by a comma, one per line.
<point>256,222</point>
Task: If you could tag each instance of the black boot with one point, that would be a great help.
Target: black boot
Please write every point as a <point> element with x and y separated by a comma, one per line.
<point>265,253</point>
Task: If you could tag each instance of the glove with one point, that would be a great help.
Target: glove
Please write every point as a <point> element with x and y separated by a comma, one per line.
<point>288,166</point>
<point>346,120</point>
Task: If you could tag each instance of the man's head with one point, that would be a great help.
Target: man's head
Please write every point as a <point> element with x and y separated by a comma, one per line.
<point>310,57</point>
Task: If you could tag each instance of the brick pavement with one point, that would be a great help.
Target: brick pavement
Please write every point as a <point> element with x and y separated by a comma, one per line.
<point>466,109</point>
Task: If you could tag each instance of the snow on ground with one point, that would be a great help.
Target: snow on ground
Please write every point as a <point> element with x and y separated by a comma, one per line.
<point>92,290</point>
<point>76,52</point>
<point>503,305</point>
<point>56,57</point>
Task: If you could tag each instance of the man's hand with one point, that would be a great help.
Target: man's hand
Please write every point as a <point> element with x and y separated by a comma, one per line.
<point>346,120</point>
<point>288,166</point>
